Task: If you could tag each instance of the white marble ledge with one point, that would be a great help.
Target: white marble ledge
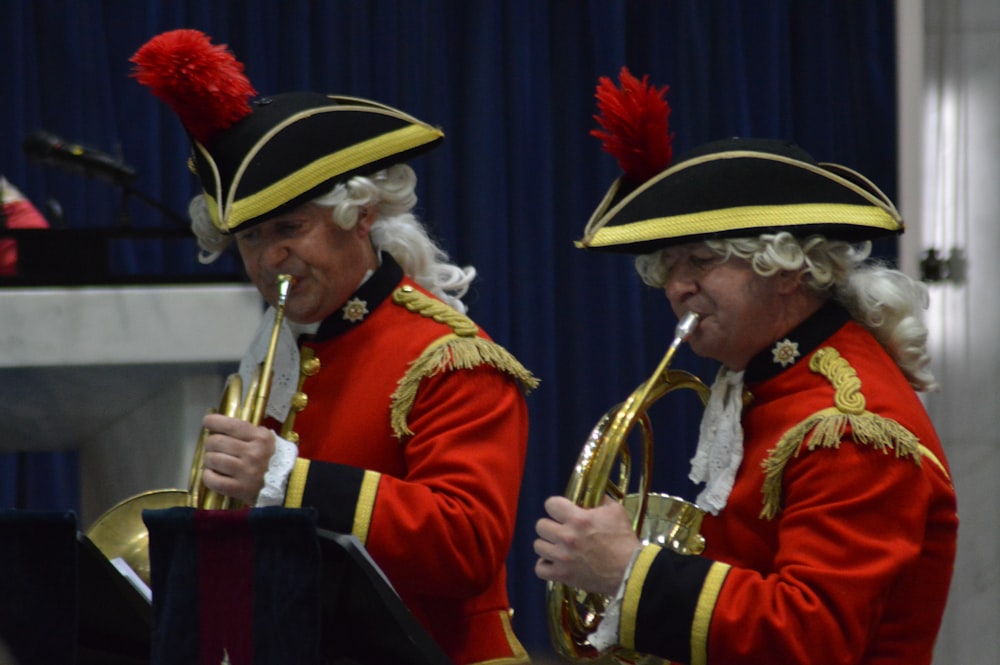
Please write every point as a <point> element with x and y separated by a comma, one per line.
<point>75,326</point>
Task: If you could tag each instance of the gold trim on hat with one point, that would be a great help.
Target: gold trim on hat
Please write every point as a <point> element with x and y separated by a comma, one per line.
<point>213,204</point>
<point>597,234</point>
<point>229,214</point>
<point>750,218</point>
<point>323,169</point>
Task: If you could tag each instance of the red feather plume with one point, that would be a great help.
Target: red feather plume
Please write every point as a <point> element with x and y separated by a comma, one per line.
<point>636,125</point>
<point>204,84</point>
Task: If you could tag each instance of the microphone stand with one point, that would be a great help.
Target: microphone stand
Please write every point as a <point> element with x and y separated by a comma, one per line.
<point>128,190</point>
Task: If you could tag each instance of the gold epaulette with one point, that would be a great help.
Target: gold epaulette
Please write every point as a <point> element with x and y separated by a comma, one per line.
<point>825,428</point>
<point>462,349</point>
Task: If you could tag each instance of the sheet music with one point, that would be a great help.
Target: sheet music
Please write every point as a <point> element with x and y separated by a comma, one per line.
<point>126,570</point>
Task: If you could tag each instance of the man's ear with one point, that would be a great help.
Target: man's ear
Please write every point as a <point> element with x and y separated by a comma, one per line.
<point>788,281</point>
<point>366,217</point>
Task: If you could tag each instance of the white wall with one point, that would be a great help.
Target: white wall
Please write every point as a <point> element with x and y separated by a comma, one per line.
<point>950,195</point>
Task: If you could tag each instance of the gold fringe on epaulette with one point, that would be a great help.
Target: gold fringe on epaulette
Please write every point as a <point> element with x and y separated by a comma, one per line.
<point>449,353</point>
<point>826,428</point>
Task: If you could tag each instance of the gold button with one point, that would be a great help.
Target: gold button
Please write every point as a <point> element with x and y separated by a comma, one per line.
<point>299,401</point>
<point>310,366</point>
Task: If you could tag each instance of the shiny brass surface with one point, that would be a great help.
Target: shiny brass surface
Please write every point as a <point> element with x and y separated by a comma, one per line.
<point>120,531</point>
<point>309,365</point>
<point>115,532</point>
<point>573,614</point>
<point>670,521</point>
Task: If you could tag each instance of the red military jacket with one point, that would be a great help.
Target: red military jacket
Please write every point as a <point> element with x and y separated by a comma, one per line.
<point>838,541</point>
<point>414,439</point>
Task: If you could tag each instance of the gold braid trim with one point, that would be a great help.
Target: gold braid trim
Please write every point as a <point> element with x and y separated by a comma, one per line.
<point>418,302</point>
<point>365,506</point>
<point>463,349</point>
<point>297,483</point>
<point>633,594</point>
<point>711,588</point>
<point>826,428</point>
<point>449,353</point>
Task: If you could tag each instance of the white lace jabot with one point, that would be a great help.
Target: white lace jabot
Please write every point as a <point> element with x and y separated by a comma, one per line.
<point>286,362</point>
<point>720,442</point>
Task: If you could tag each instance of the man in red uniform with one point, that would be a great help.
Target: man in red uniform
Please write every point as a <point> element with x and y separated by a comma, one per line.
<point>831,521</point>
<point>392,413</point>
<point>16,212</point>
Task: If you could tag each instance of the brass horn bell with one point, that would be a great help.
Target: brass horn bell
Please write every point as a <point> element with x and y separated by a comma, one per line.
<point>120,531</point>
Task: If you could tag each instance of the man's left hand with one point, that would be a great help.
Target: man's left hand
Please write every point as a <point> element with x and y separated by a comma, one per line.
<point>587,549</point>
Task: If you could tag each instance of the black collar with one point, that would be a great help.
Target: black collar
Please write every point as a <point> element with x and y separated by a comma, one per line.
<point>798,343</point>
<point>362,302</point>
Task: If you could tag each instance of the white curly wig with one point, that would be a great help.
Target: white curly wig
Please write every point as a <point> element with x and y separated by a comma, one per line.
<point>885,301</point>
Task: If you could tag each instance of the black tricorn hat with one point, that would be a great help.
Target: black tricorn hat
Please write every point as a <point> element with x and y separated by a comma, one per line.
<point>296,146</point>
<point>737,187</point>
<point>256,159</point>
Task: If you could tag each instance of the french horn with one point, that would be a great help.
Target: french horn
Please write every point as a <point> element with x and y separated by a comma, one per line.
<point>574,615</point>
<point>120,532</point>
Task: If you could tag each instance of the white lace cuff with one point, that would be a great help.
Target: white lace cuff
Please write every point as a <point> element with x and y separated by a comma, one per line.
<point>606,635</point>
<point>278,470</point>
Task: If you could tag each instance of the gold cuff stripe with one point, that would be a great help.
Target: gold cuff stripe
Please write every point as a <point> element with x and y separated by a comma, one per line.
<point>704,610</point>
<point>315,174</point>
<point>297,483</point>
<point>365,506</point>
<point>633,593</point>
<point>751,218</point>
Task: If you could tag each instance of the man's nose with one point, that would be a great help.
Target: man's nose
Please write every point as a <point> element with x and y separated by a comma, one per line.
<point>275,255</point>
<point>680,285</point>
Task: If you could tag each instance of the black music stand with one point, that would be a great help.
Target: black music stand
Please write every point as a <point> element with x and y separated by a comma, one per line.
<point>38,585</point>
<point>359,619</point>
<point>61,600</point>
<point>366,622</point>
<point>115,617</point>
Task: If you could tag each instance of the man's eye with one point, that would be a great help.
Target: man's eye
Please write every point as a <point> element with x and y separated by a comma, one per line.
<point>289,228</point>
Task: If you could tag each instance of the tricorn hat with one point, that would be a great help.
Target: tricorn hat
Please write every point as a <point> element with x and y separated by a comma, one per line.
<point>737,187</point>
<point>257,158</point>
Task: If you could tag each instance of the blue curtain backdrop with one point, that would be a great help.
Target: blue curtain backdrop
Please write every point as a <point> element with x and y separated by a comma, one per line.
<point>512,84</point>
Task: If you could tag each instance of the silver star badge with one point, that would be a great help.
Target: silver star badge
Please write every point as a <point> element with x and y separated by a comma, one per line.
<point>355,310</point>
<point>785,352</point>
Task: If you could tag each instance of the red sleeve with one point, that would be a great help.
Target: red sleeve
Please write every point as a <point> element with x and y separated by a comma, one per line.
<point>852,530</point>
<point>464,465</point>
<point>853,522</point>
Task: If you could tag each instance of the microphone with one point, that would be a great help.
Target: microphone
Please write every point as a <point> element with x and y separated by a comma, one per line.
<point>51,150</point>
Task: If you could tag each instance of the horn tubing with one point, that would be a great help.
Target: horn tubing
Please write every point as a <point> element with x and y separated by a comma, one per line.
<point>120,531</point>
<point>573,615</point>
<point>285,283</point>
